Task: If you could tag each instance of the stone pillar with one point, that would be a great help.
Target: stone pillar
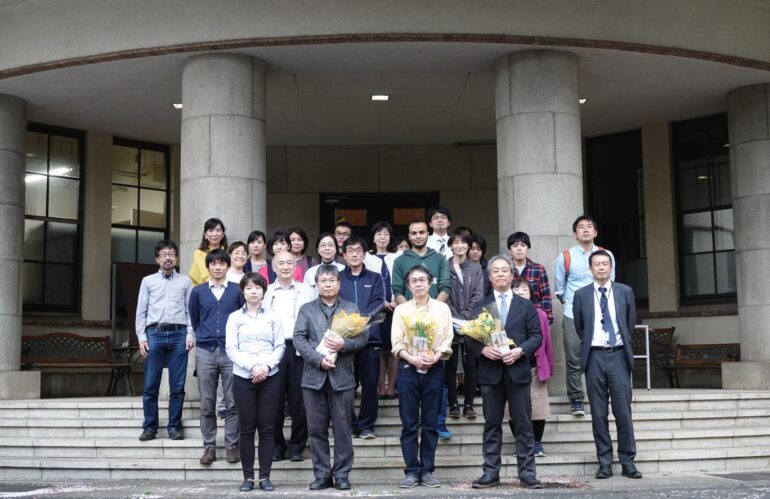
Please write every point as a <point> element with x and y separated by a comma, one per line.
<point>748,113</point>
<point>539,162</point>
<point>223,153</point>
<point>14,383</point>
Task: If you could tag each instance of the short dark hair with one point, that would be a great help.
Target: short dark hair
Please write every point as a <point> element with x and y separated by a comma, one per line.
<point>353,240</point>
<point>437,208</point>
<point>326,269</point>
<point>321,238</point>
<point>235,245</point>
<point>345,224</point>
<point>165,244</point>
<point>253,278</point>
<point>584,218</point>
<point>402,239</point>
<point>481,241</point>
<point>418,268</point>
<point>600,252</point>
<point>256,234</point>
<point>301,233</point>
<point>210,224</point>
<point>462,236</point>
<point>279,235</point>
<point>392,245</point>
<point>417,222</point>
<point>217,255</point>
<point>521,281</point>
<point>518,237</point>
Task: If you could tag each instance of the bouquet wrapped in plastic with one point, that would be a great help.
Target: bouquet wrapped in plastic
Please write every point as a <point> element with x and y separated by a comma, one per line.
<point>344,325</point>
<point>488,330</point>
<point>419,332</point>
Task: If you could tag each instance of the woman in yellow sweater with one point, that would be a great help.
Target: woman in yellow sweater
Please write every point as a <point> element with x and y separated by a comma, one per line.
<point>213,238</point>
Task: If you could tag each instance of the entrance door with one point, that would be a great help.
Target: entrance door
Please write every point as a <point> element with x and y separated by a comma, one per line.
<point>362,211</point>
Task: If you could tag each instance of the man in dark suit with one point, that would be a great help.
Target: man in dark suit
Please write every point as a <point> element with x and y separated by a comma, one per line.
<point>506,377</point>
<point>605,315</point>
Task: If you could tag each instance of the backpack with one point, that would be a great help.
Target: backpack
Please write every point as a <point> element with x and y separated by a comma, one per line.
<point>567,260</point>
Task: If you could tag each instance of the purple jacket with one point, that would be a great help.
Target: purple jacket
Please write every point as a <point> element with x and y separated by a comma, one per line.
<point>544,354</point>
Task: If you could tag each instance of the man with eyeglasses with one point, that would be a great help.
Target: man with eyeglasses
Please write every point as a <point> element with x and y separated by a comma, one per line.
<point>342,231</point>
<point>366,289</point>
<point>328,384</point>
<point>165,335</point>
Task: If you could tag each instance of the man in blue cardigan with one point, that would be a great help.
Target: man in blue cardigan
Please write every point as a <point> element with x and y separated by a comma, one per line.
<point>366,289</point>
<point>211,303</point>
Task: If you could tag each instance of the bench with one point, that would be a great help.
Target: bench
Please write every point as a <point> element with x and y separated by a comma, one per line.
<point>72,351</point>
<point>705,356</point>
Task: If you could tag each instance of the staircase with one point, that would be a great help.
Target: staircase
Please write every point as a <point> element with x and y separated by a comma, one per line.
<point>97,438</point>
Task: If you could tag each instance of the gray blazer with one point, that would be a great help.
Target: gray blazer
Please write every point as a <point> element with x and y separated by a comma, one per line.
<point>312,322</point>
<point>625,314</point>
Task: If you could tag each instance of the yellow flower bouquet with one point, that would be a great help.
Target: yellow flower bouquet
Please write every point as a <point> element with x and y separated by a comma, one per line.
<point>344,325</point>
<point>488,330</point>
<point>419,332</point>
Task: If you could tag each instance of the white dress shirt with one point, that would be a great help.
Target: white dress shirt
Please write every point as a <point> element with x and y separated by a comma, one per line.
<point>218,289</point>
<point>435,242</point>
<point>601,338</point>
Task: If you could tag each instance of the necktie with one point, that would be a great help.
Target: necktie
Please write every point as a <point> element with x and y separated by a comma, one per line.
<point>606,319</point>
<point>442,247</point>
<point>503,309</point>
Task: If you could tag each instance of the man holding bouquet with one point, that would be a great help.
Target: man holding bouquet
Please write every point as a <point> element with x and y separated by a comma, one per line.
<point>505,376</point>
<point>328,383</point>
<point>422,339</point>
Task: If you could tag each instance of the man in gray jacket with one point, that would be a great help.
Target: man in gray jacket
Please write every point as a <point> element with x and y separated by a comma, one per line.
<point>328,384</point>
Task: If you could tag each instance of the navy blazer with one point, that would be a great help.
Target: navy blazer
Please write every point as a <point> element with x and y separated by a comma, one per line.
<point>523,327</point>
<point>625,315</point>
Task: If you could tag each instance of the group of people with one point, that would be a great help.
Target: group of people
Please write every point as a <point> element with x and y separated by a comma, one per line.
<point>259,313</point>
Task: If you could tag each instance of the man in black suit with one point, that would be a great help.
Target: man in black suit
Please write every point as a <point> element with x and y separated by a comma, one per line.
<point>605,315</point>
<point>507,377</point>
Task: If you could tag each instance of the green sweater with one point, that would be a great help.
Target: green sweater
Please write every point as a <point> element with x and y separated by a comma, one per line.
<point>434,262</point>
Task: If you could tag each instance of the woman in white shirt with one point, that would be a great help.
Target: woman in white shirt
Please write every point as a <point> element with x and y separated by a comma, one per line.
<point>256,346</point>
<point>238,257</point>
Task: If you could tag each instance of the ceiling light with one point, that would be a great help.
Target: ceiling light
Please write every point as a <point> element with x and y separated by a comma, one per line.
<point>380,97</point>
<point>177,106</point>
<point>582,100</point>
<point>703,177</point>
<point>726,146</point>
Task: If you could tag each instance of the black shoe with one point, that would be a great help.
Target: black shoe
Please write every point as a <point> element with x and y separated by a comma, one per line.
<point>531,482</point>
<point>630,471</point>
<point>247,486</point>
<point>603,473</point>
<point>175,434</point>
<point>278,456</point>
<point>296,458</point>
<point>321,483</point>
<point>485,481</point>
<point>342,483</point>
<point>147,435</point>
<point>266,485</point>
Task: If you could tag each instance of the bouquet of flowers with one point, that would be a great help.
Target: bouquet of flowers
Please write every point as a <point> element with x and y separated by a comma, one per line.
<point>344,325</point>
<point>419,332</point>
<point>487,329</point>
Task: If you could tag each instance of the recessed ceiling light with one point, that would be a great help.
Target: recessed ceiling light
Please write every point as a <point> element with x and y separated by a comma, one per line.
<point>583,100</point>
<point>178,106</point>
<point>380,97</point>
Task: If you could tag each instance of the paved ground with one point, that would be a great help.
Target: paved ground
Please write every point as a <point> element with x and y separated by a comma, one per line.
<point>716,486</point>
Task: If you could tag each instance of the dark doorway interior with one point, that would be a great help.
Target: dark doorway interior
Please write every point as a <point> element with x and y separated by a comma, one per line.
<point>362,210</point>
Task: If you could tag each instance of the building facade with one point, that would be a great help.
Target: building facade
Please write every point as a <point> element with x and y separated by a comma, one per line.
<point>669,149</point>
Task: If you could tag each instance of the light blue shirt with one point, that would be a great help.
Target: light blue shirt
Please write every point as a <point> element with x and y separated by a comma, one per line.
<point>253,341</point>
<point>163,300</point>
<point>579,275</point>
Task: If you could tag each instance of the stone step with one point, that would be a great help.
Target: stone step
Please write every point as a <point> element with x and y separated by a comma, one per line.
<point>381,469</point>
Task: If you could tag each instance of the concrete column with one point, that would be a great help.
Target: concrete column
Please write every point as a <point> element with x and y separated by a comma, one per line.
<point>748,113</point>
<point>14,383</point>
<point>539,162</point>
<point>97,223</point>
<point>223,157</point>
<point>660,223</point>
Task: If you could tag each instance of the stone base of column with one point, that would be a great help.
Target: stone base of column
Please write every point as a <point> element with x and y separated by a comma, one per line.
<point>746,375</point>
<point>15,385</point>
<point>191,392</point>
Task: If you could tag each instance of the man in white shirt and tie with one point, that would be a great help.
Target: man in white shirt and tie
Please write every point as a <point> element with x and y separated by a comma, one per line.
<point>439,219</point>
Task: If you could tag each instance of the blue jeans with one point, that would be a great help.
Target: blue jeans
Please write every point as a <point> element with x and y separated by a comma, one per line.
<point>419,396</point>
<point>165,347</point>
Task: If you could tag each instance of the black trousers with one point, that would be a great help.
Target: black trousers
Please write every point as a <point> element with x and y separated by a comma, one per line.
<point>367,373</point>
<point>256,405</point>
<point>290,375</point>
<point>470,376</point>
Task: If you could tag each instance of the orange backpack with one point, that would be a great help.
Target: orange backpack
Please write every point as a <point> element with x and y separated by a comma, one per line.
<point>567,260</point>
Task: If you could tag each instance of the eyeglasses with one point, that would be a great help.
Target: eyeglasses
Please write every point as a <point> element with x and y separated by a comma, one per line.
<point>326,245</point>
<point>342,234</point>
<point>417,280</point>
<point>354,251</point>
<point>166,254</point>
<point>324,282</point>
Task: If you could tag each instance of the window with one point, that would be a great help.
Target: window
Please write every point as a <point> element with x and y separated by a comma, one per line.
<point>616,201</point>
<point>139,199</point>
<point>704,208</point>
<point>52,219</point>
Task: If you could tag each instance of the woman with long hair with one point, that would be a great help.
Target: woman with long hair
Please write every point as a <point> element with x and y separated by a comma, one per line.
<point>213,238</point>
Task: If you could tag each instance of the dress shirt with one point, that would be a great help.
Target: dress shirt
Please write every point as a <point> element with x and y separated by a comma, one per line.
<point>254,340</point>
<point>163,300</point>
<point>601,338</point>
<point>218,289</point>
<point>508,297</point>
<point>285,303</point>
<point>579,275</point>
<point>435,242</point>
<point>441,315</point>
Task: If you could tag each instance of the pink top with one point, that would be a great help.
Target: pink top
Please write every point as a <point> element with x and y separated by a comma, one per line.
<point>544,354</point>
